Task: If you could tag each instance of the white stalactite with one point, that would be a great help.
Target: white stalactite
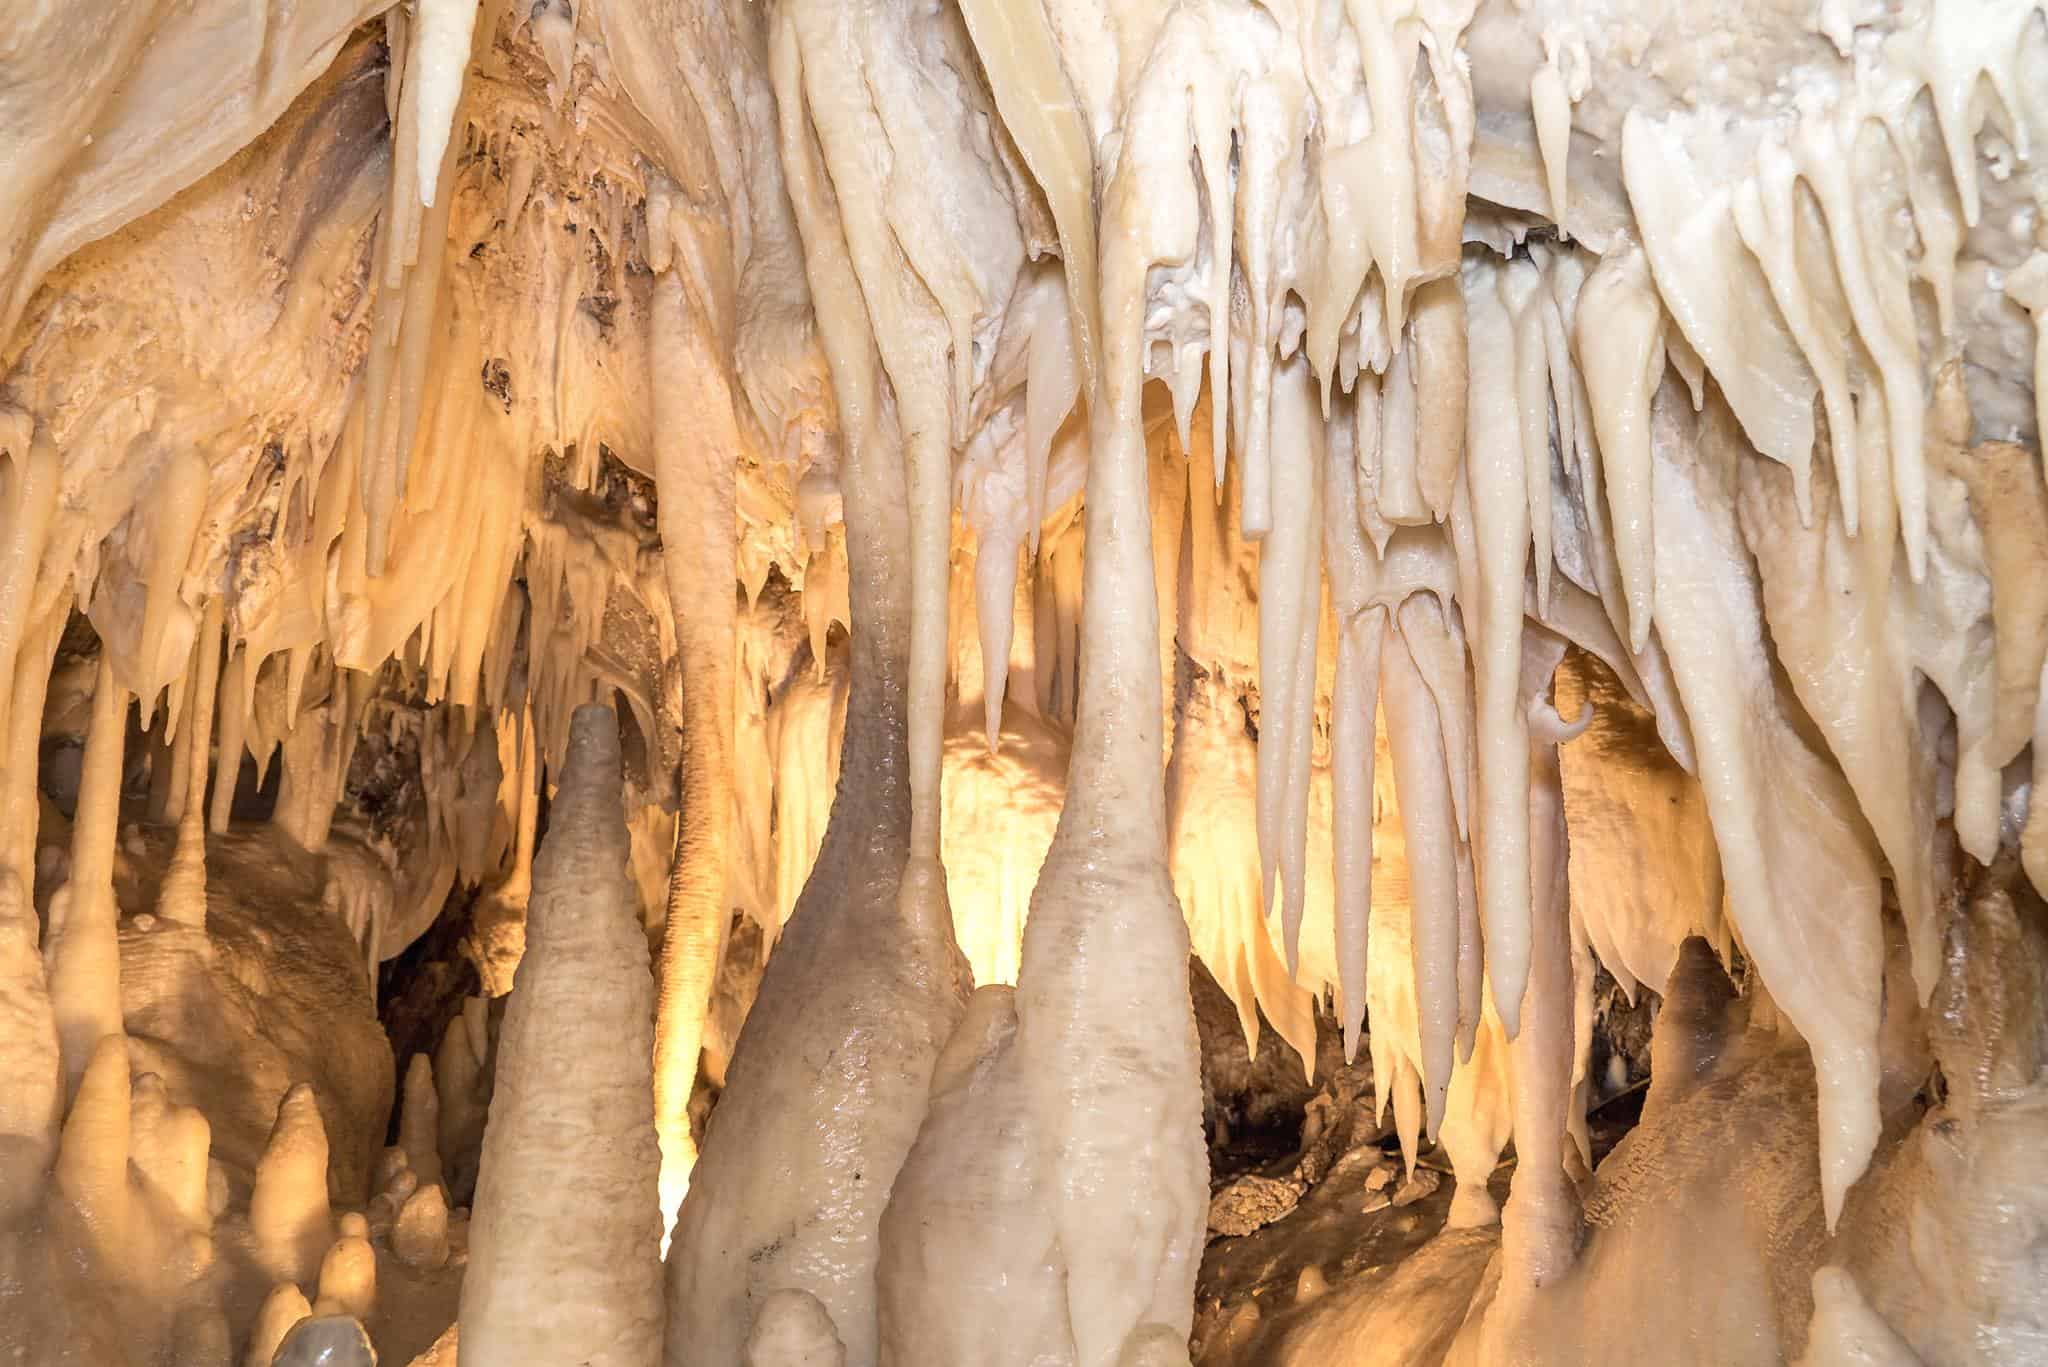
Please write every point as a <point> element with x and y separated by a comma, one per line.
<point>442,31</point>
<point>695,458</point>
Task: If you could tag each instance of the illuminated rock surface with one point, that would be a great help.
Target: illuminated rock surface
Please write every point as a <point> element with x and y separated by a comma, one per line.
<point>612,579</point>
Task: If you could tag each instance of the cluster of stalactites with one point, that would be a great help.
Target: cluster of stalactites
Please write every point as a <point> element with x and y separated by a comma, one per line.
<point>1469,462</point>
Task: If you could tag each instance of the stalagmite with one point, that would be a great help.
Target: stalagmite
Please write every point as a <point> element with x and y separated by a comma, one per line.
<point>1478,1120</point>
<point>973,1170</point>
<point>284,1307</point>
<point>1846,1332</point>
<point>420,1235</point>
<point>169,1148</point>
<point>32,1105</point>
<point>92,1156</point>
<point>792,1330</point>
<point>564,1239</point>
<point>289,1218</point>
<point>419,1121</point>
<point>348,1273</point>
<point>462,1078</point>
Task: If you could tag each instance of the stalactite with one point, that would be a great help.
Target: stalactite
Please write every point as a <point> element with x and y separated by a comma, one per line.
<point>1496,475</point>
<point>80,945</point>
<point>20,805</point>
<point>235,688</point>
<point>694,461</point>
<point>1354,708</point>
<point>29,496</point>
<point>182,897</point>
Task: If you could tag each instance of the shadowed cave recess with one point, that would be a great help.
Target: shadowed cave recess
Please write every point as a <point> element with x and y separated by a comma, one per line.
<point>1023,683</point>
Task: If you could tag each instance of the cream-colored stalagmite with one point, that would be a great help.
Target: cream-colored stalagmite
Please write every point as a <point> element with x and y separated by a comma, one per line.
<point>290,1221</point>
<point>696,448</point>
<point>169,1149</point>
<point>830,1077</point>
<point>968,1235</point>
<point>91,1171</point>
<point>33,1103</point>
<point>284,1307</point>
<point>564,1260</point>
<point>419,1121</point>
<point>80,944</point>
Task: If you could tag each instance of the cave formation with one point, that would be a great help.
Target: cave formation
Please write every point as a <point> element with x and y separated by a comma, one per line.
<point>1023,683</point>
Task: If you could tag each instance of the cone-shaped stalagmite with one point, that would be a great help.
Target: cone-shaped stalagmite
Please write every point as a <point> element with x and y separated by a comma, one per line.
<point>288,1211</point>
<point>92,1157</point>
<point>564,1261</point>
<point>419,1121</point>
<point>33,1099</point>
